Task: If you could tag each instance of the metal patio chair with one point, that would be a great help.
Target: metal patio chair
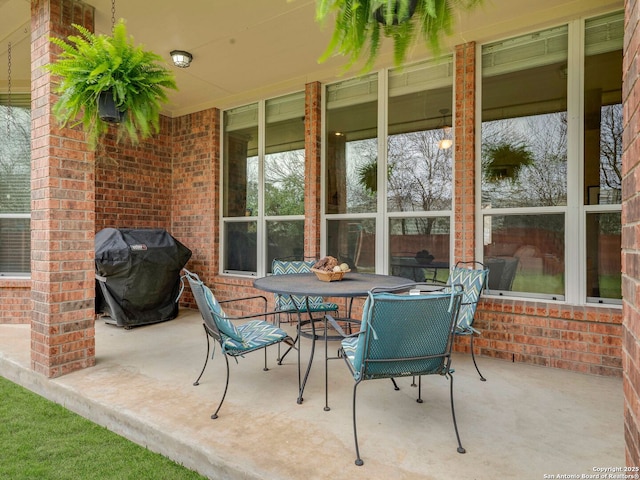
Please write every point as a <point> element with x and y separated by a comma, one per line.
<point>403,335</point>
<point>297,304</point>
<point>473,278</point>
<point>235,341</point>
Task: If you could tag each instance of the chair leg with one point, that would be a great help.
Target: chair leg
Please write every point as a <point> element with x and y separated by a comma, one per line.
<point>473,357</point>
<point>326,368</point>
<point>226,386</point>
<point>265,360</point>
<point>453,415</point>
<point>281,357</point>
<point>303,382</point>
<point>395,385</point>
<point>206,359</point>
<point>359,461</point>
<point>419,400</point>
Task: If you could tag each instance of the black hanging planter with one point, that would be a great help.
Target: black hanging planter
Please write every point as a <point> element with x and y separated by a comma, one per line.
<point>379,14</point>
<point>107,109</point>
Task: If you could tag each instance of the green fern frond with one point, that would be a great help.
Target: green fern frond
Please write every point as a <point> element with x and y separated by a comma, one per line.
<point>90,64</point>
<point>358,31</point>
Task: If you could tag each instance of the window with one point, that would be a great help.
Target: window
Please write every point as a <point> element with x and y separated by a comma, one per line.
<point>351,171</point>
<point>524,162</point>
<point>400,191</point>
<point>420,170</point>
<point>263,184</point>
<point>603,157</point>
<point>530,167</point>
<point>15,185</point>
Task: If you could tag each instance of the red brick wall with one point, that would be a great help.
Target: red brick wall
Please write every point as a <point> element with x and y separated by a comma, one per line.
<point>15,301</point>
<point>62,211</point>
<point>133,182</point>
<point>195,189</point>
<point>631,233</point>
<point>582,339</point>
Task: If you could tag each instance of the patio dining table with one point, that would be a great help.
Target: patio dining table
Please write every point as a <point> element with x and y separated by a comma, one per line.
<point>308,285</point>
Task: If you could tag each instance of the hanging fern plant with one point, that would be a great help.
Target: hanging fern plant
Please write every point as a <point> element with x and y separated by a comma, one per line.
<point>505,160</point>
<point>133,78</point>
<point>360,25</point>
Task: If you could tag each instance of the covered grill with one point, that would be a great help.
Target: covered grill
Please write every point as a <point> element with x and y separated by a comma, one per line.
<point>138,275</point>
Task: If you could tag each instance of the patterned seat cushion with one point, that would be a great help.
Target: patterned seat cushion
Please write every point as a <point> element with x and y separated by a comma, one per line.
<point>254,334</point>
<point>350,345</point>
<point>472,280</point>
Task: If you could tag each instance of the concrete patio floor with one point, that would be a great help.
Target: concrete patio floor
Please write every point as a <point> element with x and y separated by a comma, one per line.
<point>523,423</point>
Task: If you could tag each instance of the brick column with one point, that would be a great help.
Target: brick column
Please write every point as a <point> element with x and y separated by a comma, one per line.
<point>313,169</point>
<point>630,233</point>
<point>196,189</point>
<point>62,211</point>
<point>465,140</point>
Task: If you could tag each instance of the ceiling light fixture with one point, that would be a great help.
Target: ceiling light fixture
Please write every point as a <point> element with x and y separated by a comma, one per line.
<point>446,142</point>
<point>181,58</point>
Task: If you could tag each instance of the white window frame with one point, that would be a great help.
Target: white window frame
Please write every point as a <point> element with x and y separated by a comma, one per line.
<point>575,211</point>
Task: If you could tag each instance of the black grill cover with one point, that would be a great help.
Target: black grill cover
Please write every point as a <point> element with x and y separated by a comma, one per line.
<point>138,275</point>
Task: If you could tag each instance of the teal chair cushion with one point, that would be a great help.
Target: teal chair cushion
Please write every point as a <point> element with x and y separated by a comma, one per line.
<point>350,347</point>
<point>224,325</point>
<point>473,281</point>
<point>253,335</point>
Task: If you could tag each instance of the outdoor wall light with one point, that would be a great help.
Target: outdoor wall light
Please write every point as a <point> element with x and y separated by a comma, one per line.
<point>181,58</point>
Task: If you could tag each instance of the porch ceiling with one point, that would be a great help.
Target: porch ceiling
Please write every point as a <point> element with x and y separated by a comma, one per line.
<point>247,49</point>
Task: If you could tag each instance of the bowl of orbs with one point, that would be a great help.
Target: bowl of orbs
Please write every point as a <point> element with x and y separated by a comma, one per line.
<point>328,269</point>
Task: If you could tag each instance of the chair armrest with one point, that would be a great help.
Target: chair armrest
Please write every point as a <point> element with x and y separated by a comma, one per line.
<point>334,323</point>
<point>239,299</point>
<point>252,315</point>
<point>244,299</point>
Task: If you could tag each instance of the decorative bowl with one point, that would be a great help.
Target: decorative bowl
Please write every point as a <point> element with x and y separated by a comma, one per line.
<point>329,276</point>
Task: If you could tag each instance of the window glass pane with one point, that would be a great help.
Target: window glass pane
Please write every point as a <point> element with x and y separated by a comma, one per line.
<point>15,185</point>
<point>351,146</point>
<point>284,239</point>
<point>15,246</point>
<point>524,120</point>
<point>604,262</point>
<point>240,185</point>
<point>15,160</point>
<point>354,242</point>
<point>419,152</point>
<point>603,110</point>
<point>284,158</point>
<point>240,247</point>
<point>419,248</point>
<point>525,253</point>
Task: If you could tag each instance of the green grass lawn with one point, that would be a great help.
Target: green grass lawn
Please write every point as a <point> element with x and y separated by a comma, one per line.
<point>42,440</point>
<point>610,285</point>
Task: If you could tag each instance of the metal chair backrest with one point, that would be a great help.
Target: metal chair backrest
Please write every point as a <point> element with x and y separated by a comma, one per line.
<point>406,335</point>
<point>199,290</point>
<point>285,267</point>
<point>473,281</point>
